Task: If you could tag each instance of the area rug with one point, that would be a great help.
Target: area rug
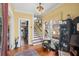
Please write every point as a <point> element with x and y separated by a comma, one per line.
<point>28,52</point>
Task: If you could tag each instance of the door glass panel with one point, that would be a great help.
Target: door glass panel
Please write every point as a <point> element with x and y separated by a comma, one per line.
<point>55,29</point>
<point>0,27</point>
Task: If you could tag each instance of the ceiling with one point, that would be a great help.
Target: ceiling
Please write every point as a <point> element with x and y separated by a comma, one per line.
<point>30,7</point>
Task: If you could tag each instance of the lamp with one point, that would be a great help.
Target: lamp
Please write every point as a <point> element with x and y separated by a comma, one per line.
<point>54,32</point>
<point>40,8</point>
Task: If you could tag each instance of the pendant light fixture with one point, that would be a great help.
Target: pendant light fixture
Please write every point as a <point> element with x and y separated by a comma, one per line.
<point>40,8</point>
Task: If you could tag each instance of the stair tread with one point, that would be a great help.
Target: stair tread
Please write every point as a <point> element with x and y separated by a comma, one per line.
<point>37,42</point>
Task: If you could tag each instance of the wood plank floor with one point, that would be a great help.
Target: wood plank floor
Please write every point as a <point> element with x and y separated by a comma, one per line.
<point>38,48</point>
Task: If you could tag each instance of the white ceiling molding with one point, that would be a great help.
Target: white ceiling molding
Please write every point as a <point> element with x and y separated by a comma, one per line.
<point>52,9</point>
<point>22,11</point>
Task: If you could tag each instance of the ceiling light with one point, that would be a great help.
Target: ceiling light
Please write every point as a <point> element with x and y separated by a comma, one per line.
<point>40,8</point>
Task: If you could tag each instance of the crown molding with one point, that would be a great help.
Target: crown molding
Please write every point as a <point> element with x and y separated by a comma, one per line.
<point>23,12</point>
<point>53,9</point>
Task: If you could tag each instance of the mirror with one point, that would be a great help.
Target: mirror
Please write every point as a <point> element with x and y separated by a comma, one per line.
<point>55,29</point>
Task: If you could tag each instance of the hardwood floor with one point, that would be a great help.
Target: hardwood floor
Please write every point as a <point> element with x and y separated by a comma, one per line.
<point>38,48</point>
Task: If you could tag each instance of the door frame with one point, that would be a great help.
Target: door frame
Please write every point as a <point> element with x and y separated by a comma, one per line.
<point>19,33</point>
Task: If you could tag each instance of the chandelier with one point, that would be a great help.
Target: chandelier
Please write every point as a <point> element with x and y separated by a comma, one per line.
<point>40,8</point>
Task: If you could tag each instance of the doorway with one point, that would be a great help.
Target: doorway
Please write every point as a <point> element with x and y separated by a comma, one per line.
<point>23,32</point>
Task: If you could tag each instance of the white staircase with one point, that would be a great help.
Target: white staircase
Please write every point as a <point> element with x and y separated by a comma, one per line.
<point>37,39</point>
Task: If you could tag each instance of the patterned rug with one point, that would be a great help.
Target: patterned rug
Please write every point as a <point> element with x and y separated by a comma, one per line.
<point>29,52</point>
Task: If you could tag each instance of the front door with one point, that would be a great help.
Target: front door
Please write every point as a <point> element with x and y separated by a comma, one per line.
<point>24,24</point>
